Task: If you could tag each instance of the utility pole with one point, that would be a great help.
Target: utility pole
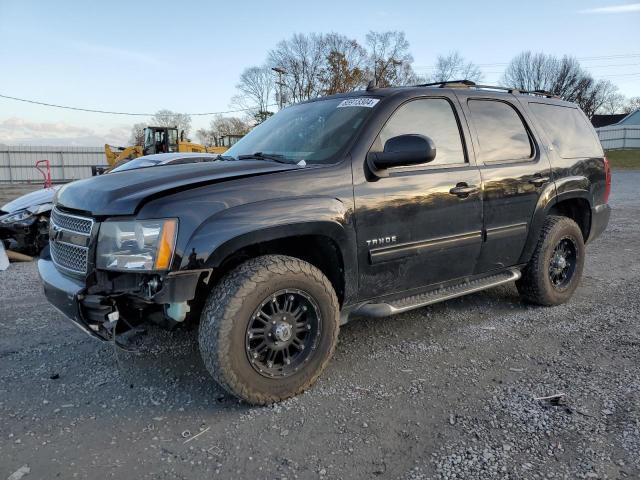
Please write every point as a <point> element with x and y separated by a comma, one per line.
<point>280,71</point>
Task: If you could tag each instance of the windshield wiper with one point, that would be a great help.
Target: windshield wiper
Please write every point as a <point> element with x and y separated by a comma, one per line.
<point>274,157</point>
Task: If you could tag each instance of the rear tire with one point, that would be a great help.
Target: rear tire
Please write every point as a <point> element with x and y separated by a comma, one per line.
<point>269,304</point>
<point>555,268</point>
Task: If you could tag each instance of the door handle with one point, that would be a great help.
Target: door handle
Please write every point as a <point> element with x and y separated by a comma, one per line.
<point>539,181</point>
<point>463,190</point>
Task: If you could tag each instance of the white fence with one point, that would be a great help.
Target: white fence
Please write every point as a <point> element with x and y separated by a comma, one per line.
<point>619,137</point>
<point>17,164</point>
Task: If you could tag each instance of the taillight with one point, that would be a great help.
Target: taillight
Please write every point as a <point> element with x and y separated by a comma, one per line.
<point>607,180</point>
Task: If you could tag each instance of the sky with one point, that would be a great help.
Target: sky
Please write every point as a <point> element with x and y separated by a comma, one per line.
<point>187,56</point>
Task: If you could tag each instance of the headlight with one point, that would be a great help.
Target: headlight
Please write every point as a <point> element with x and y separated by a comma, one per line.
<point>144,245</point>
<point>20,216</point>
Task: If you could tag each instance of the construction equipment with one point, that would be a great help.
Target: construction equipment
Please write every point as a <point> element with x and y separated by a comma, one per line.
<point>157,140</point>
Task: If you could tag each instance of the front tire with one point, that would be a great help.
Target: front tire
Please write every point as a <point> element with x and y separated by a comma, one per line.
<point>555,268</point>
<point>269,328</point>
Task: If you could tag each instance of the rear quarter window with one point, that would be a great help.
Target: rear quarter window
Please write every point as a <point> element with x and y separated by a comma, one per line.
<point>501,133</point>
<point>568,130</point>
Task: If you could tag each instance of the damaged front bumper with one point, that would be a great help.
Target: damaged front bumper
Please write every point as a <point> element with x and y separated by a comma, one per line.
<point>64,293</point>
<point>96,313</point>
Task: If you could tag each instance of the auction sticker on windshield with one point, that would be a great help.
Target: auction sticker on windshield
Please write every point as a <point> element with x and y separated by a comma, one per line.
<point>359,102</point>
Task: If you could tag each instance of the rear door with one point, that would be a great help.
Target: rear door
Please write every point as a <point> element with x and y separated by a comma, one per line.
<point>413,228</point>
<point>515,171</point>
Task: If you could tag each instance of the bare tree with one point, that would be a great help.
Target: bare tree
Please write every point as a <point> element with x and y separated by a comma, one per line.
<point>137,134</point>
<point>256,87</point>
<point>345,67</point>
<point>454,67</point>
<point>389,59</point>
<point>614,103</point>
<point>603,97</point>
<point>167,118</point>
<point>561,76</point>
<point>221,126</point>
<point>531,71</point>
<point>303,58</point>
<point>632,105</point>
<point>206,137</point>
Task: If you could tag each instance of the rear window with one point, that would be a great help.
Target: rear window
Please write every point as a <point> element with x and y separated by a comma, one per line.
<point>569,132</point>
<point>501,134</point>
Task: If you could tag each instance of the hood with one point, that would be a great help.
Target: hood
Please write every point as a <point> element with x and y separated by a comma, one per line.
<point>32,199</point>
<point>122,193</point>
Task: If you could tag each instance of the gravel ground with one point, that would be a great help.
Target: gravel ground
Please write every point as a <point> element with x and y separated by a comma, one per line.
<point>447,391</point>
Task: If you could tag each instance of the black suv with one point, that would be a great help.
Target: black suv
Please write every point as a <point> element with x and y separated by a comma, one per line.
<point>369,203</point>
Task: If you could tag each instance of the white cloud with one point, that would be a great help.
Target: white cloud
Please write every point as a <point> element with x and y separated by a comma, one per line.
<point>18,131</point>
<point>15,127</point>
<point>630,7</point>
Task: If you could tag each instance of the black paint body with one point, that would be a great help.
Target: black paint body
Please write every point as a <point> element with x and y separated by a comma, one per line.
<point>230,206</point>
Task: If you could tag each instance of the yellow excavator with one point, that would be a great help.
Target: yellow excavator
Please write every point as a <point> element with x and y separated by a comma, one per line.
<point>157,140</point>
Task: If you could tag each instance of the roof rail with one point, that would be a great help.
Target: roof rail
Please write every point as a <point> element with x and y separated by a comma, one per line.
<point>472,84</point>
<point>449,83</point>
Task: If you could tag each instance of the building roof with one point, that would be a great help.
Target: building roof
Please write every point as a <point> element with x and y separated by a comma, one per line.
<point>605,120</point>
<point>632,119</point>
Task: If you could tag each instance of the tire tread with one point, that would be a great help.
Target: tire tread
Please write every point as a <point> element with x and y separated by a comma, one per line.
<point>218,317</point>
<point>532,286</point>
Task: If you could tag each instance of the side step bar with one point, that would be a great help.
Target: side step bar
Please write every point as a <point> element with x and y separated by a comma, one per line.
<point>438,295</point>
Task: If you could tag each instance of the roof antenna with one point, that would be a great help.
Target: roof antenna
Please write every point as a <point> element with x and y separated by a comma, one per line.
<point>371,85</point>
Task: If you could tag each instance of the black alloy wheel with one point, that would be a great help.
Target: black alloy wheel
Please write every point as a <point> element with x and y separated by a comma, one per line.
<point>563,263</point>
<point>283,333</point>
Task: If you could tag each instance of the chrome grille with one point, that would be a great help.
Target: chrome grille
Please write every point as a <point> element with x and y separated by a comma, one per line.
<point>72,223</point>
<point>65,255</point>
<point>70,257</point>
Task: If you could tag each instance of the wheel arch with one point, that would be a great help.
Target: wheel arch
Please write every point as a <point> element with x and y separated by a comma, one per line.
<point>571,199</point>
<point>316,230</point>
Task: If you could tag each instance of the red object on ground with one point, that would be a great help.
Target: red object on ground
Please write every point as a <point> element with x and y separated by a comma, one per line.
<point>46,173</point>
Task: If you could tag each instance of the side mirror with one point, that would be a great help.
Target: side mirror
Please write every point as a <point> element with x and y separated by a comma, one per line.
<point>402,151</point>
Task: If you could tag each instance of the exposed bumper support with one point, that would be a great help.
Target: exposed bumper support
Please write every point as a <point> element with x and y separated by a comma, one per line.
<point>90,312</point>
<point>64,294</point>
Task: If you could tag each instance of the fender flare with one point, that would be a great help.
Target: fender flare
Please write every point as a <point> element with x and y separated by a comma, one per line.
<point>568,188</point>
<point>233,229</point>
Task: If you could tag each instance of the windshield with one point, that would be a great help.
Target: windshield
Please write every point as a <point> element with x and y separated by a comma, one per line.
<point>316,132</point>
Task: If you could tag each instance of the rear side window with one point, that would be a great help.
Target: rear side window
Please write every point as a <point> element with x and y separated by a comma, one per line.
<point>568,130</point>
<point>434,118</point>
<point>501,133</point>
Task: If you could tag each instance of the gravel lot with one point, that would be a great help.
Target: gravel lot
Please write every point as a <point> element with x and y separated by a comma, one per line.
<point>442,392</point>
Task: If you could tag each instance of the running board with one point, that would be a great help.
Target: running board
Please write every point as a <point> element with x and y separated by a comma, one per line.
<point>438,295</point>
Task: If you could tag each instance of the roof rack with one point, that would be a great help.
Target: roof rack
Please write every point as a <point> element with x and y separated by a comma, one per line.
<point>472,84</point>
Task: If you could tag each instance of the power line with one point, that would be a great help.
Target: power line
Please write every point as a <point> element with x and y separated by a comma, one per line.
<point>80,109</point>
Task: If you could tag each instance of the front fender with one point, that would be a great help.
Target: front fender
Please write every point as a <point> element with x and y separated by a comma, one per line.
<point>230,230</point>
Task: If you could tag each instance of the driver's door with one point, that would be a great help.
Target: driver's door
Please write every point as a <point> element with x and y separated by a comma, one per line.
<point>413,229</point>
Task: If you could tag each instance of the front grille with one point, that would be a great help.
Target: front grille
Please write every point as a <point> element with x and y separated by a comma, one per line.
<point>72,223</point>
<point>73,256</point>
<point>70,257</point>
